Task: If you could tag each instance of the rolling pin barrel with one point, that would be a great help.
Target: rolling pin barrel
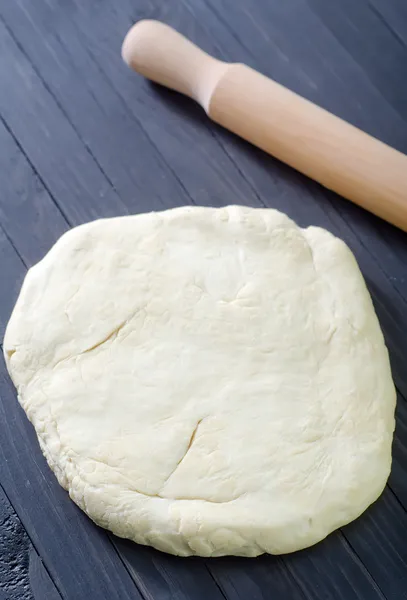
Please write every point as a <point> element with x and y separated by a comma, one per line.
<point>308,138</point>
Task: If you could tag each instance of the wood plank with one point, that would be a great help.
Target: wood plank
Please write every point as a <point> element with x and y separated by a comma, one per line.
<point>378,571</point>
<point>42,586</point>
<point>254,579</point>
<point>363,34</point>
<point>87,101</point>
<point>394,16</point>
<point>178,128</point>
<point>258,579</point>
<point>160,575</point>
<point>28,214</point>
<point>378,538</point>
<point>79,85</point>
<point>354,580</point>
<point>12,275</point>
<point>50,142</point>
<point>14,554</point>
<point>398,477</point>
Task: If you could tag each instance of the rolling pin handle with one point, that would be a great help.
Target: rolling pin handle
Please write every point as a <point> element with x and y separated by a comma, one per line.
<point>163,55</point>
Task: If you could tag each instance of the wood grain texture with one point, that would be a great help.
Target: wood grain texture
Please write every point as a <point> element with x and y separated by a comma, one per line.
<point>81,137</point>
<point>42,586</point>
<point>12,275</point>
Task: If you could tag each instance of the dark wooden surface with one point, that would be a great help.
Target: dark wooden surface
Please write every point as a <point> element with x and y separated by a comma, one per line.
<point>82,137</point>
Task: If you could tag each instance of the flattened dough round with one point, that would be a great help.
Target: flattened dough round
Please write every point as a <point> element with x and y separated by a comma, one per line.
<point>206,381</point>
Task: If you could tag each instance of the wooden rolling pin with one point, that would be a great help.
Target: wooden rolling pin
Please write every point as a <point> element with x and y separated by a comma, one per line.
<point>310,139</point>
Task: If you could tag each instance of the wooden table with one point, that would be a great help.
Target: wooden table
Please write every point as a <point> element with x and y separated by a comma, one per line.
<point>82,137</point>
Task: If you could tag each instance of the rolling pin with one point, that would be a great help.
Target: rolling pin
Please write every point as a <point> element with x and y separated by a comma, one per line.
<point>308,138</point>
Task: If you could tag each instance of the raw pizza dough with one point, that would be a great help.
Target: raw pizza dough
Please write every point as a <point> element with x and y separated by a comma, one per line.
<point>206,381</point>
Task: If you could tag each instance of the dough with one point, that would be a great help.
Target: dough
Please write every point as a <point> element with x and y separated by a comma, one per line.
<point>206,381</point>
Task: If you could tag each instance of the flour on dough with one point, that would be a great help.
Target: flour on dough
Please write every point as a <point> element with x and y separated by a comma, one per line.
<point>206,381</point>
